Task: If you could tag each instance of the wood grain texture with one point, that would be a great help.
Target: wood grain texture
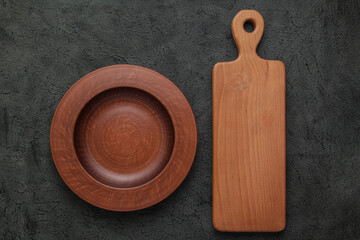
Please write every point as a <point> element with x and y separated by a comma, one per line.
<point>249,136</point>
<point>123,137</point>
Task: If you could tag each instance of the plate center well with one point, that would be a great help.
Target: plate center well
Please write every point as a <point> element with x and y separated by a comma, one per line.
<point>124,137</point>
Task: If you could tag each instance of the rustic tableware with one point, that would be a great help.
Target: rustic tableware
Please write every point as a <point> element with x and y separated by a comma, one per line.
<point>123,137</point>
<point>249,136</point>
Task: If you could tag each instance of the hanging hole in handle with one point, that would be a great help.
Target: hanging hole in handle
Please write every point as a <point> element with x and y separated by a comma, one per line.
<point>249,25</point>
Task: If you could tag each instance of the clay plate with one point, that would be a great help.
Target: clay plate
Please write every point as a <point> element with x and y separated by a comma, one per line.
<point>123,137</point>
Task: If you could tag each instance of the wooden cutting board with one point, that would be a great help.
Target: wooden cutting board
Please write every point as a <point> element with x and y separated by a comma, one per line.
<point>249,136</point>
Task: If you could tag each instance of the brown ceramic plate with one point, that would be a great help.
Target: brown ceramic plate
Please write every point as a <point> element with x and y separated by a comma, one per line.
<point>123,137</point>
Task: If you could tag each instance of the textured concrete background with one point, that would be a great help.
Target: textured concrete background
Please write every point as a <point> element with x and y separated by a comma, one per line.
<point>46,46</point>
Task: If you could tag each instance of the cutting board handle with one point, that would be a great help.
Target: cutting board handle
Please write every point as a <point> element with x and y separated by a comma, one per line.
<point>247,41</point>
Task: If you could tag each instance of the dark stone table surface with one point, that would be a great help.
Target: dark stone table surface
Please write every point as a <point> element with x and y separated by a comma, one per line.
<point>46,46</point>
